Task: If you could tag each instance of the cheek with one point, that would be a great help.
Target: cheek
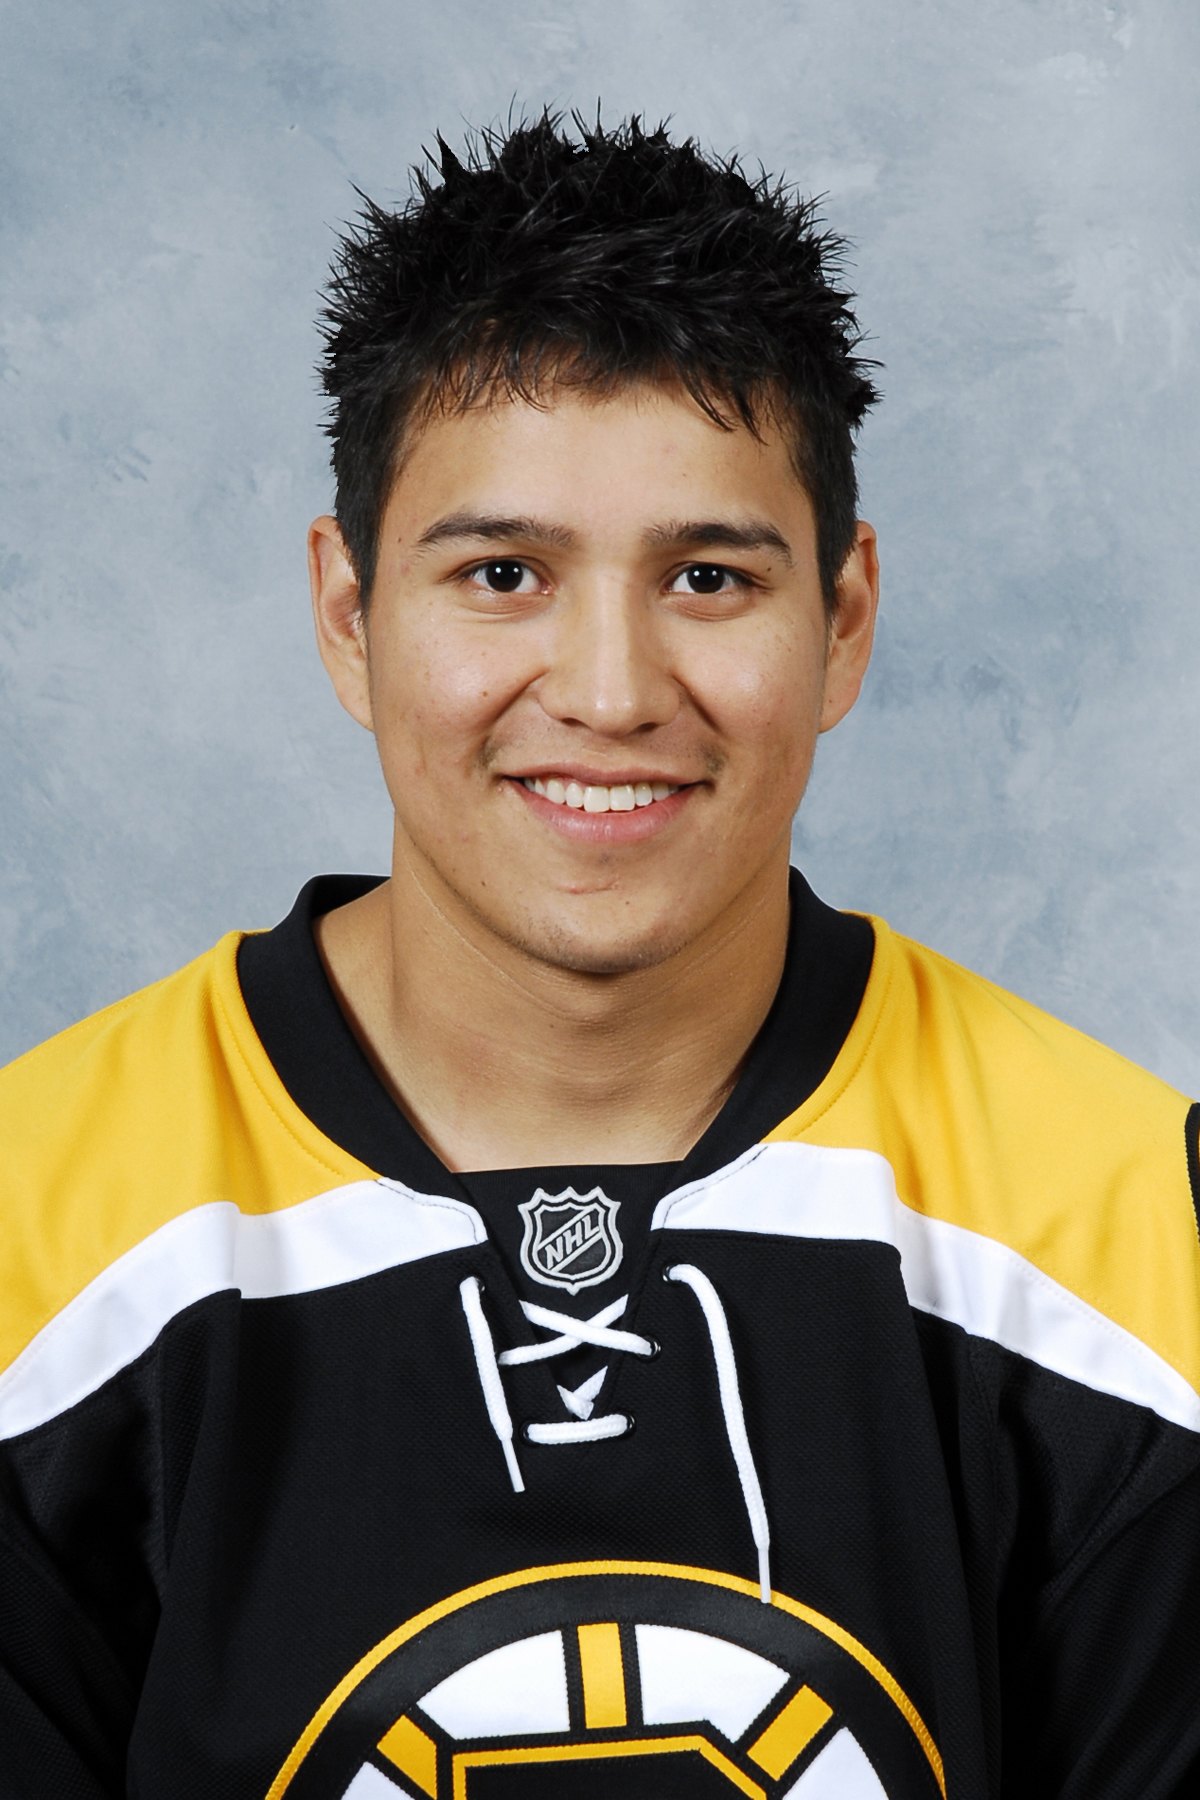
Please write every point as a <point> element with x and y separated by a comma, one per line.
<point>768,704</point>
<point>435,699</point>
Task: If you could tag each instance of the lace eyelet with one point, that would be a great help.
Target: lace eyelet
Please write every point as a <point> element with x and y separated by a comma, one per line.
<point>523,1432</point>
<point>654,1352</point>
<point>630,1425</point>
<point>668,1273</point>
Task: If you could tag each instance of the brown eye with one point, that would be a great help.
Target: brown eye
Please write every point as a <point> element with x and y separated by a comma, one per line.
<point>705,578</point>
<point>502,577</point>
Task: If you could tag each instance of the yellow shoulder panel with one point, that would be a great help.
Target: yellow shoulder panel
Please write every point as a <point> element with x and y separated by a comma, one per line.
<point>163,1102</point>
<point>999,1118</point>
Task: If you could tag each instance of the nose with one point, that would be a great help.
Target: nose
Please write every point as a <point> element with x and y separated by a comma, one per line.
<point>610,668</point>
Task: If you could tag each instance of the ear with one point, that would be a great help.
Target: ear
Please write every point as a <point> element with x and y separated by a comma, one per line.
<point>851,627</point>
<point>338,616</point>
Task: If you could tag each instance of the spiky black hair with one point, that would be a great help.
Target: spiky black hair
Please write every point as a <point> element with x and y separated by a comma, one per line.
<point>600,259</point>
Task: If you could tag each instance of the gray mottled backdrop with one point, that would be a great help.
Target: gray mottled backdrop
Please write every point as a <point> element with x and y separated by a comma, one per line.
<point>1021,178</point>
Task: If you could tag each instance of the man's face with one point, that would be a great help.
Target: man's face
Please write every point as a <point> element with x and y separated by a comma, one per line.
<point>596,664</point>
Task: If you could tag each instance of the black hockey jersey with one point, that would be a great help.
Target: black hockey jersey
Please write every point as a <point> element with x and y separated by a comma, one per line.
<point>857,1456</point>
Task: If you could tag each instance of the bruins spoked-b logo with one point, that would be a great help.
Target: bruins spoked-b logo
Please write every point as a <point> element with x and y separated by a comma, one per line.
<point>615,1681</point>
<point>571,1240</point>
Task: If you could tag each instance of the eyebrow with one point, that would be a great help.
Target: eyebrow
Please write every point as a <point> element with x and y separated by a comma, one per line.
<point>705,534</point>
<point>493,526</point>
<point>722,534</point>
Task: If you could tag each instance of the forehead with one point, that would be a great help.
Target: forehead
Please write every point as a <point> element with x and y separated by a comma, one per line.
<point>629,458</point>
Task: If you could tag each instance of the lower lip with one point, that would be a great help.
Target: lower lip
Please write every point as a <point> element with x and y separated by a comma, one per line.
<point>607,827</point>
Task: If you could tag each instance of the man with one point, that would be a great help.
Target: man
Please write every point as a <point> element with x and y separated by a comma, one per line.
<point>581,1317</point>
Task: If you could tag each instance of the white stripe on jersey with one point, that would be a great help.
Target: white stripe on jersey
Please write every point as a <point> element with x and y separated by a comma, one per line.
<point>810,1191</point>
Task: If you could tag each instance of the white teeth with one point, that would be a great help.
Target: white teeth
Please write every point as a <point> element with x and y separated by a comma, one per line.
<point>594,798</point>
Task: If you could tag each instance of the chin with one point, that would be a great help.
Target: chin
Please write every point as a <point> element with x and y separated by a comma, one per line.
<point>598,953</point>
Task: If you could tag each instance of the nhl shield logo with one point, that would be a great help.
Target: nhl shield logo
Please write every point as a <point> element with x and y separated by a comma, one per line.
<point>571,1240</point>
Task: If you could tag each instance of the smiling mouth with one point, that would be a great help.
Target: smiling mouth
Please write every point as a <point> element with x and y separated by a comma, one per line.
<point>592,798</point>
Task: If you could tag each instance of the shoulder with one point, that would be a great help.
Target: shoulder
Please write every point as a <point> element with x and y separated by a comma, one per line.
<point>1005,1127</point>
<point>161,1104</point>
<point>935,1040</point>
<point>99,1086</point>
<point>964,1048</point>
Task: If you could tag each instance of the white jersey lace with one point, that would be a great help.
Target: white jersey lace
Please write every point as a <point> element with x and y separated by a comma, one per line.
<point>585,1427</point>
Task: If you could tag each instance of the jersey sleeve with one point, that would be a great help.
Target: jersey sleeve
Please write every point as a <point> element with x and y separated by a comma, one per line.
<point>1105,1702</point>
<point>1060,1188</point>
<point>1104,1676</point>
<point>66,1703</point>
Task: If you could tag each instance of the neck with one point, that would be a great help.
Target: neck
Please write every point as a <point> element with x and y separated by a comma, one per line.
<point>503,1061</point>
